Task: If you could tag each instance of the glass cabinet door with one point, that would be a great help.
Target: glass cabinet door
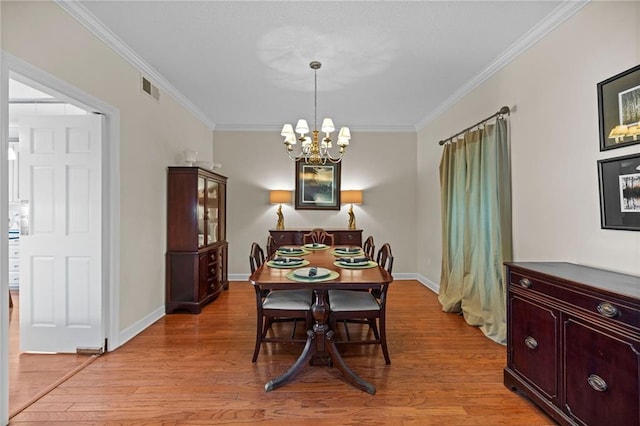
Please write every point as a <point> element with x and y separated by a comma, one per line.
<point>213,203</point>
<point>201,211</point>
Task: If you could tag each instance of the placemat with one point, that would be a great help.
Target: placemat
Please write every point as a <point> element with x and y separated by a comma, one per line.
<point>272,264</point>
<point>306,247</point>
<point>286,253</point>
<point>371,264</point>
<point>332,276</point>
<point>344,254</point>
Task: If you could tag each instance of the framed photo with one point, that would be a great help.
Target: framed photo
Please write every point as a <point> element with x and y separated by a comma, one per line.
<point>317,186</point>
<point>619,109</point>
<point>620,192</point>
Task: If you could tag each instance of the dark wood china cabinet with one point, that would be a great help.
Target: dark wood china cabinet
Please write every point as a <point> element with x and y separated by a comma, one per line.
<point>573,341</point>
<point>196,259</point>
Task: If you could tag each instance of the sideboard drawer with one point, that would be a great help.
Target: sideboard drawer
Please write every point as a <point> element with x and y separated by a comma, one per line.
<point>348,238</point>
<point>610,308</point>
<point>283,238</point>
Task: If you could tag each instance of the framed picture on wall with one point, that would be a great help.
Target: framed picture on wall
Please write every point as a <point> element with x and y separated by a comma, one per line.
<point>619,109</point>
<point>317,186</point>
<point>620,192</point>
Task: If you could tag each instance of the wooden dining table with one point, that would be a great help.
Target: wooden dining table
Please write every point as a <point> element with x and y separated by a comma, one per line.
<point>320,347</point>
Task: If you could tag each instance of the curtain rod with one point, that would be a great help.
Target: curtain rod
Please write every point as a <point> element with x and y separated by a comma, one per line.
<point>503,111</point>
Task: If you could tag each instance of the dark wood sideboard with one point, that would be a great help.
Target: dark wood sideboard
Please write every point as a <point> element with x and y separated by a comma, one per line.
<point>284,237</point>
<point>573,342</point>
<point>196,259</point>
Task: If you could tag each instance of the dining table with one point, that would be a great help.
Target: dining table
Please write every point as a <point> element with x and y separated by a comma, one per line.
<point>320,346</point>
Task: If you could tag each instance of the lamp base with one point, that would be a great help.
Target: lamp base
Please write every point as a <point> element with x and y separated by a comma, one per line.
<point>352,218</point>
<point>280,224</point>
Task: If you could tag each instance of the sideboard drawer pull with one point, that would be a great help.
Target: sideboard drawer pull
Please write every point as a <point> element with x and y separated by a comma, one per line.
<point>608,310</point>
<point>531,342</point>
<point>525,282</point>
<point>597,383</point>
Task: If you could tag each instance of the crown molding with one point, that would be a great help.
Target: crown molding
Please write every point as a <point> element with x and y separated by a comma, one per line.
<point>278,128</point>
<point>560,14</point>
<point>89,21</point>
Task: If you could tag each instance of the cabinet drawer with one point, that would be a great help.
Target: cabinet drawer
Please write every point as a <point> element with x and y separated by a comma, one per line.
<point>283,238</point>
<point>346,237</point>
<point>14,250</point>
<point>611,309</point>
<point>14,279</point>
<point>14,265</point>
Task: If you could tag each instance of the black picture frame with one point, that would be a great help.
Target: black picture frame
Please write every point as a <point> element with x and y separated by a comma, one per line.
<point>619,180</point>
<point>619,105</point>
<point>317,186</point>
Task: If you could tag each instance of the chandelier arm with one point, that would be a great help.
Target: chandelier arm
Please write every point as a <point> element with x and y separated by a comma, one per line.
<point>334,159</point>
<point>294,157</point>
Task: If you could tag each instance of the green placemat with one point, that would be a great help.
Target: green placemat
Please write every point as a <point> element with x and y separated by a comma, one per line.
<point>306,247</point>
<point>272,264</point>
<point>344,254</point>
<point>371,264</point>
<point>286,253</point>
<point>332,276</point>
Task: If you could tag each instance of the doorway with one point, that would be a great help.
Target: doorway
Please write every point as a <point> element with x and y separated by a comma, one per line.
<point>15,68</point>
<point>35,149</point>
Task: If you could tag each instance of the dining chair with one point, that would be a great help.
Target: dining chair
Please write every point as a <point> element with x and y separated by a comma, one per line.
<point>271,247</point>
<point>369,247</point>
<point>278,306</point>
<point>364,307</point>
<point>319,236</point>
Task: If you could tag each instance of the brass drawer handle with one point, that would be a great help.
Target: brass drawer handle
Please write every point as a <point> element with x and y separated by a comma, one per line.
<point>597,383</point>
<point>525,282</point>
<point>608,310</point>
<point>531,342</point>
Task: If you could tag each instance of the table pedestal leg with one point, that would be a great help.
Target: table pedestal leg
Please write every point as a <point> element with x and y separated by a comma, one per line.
<point>306,354</point>
<point>320,349</point>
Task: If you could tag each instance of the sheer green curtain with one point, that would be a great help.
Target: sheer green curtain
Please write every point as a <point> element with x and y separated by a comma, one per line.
<point>475,182</point>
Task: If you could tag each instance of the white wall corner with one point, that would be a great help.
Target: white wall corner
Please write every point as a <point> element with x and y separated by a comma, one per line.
<point>429,284</point>
<point>137,328</point>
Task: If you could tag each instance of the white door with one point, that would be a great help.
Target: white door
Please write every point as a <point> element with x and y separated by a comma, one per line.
<point>60,249</point>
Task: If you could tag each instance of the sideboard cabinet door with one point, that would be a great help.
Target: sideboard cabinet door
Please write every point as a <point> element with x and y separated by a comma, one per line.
<point>534,348</point>
<point>601,370</point>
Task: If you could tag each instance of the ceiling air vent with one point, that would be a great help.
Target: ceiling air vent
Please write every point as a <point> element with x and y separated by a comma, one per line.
<point>150,89</point>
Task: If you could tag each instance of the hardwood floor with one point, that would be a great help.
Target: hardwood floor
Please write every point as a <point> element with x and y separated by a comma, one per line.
<point>32,374</point>
<point>197,369</point>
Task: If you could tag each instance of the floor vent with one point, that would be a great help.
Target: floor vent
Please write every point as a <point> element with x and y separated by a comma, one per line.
<point>150,89</point>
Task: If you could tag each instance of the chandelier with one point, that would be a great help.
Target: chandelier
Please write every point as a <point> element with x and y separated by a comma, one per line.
<point>312,150</point>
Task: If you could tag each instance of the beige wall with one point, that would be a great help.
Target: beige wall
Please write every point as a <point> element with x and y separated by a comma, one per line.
<point>151,135</point>
<point>554,143</point>
<point>381,164</point>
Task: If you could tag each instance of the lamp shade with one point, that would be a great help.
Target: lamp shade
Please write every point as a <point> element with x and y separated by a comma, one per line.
<point>279,196</point>
<point>351,196</point>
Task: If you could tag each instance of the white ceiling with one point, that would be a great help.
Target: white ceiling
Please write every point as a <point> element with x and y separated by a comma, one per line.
<point>386,65</point>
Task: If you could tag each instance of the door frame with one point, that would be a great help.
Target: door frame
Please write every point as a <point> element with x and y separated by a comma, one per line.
<point>12,66</point>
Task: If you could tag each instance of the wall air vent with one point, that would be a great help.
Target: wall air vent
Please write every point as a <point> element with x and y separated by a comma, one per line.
<point>150,89</point>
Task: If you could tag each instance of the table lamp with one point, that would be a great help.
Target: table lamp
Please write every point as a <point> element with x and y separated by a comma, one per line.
<point>351,197</point>
<point>279,196</point>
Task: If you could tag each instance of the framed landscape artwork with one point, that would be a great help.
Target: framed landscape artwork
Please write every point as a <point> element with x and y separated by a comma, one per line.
<point>620,192</point>
<point>317,186</point>
<point>619,109</point>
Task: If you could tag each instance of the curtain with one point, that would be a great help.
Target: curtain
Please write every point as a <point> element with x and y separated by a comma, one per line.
<point>475,182</point>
